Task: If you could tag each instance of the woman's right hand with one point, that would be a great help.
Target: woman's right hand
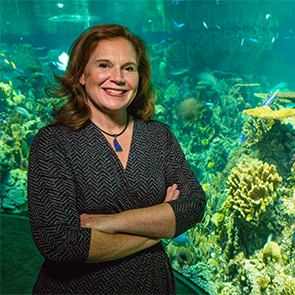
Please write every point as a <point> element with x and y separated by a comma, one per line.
<point>172,193</point>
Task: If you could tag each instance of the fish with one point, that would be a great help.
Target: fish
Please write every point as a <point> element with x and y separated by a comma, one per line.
<point>73,18</point>
<point>175,2</point>
<point>178,71</point>
<point>63,62</point>
<point>253,40</point>
<point>178,25</point>
<point>23,111</point>
<point>281,86</point>
<point>209,104</point>
<point>270,98</point>
<point>205,26</point>
<point>209,78</point>
<point>290,105</point>
<point>13,64</point>
<point>20,94</point>
<point>181,240</point>
<point>210,164</point>
<point>242,42</point>
<point>243,137</point>
<point>40,48</point>
<point>267,16</point>
<point>24,164</point>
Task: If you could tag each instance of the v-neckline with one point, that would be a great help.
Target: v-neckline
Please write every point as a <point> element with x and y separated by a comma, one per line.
<point>112,150</point>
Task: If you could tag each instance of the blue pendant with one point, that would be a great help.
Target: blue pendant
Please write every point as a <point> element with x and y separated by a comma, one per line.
<point>118,148</point>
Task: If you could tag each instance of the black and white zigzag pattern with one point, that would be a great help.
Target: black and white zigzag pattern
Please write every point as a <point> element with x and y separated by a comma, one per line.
<point>71,173</point>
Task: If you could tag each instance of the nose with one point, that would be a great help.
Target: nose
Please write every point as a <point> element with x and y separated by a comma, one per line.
<point>117,76</point>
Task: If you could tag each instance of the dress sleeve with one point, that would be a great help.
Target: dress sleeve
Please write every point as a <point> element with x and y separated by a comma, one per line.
<point>190,206</point>
<point>54,217</point>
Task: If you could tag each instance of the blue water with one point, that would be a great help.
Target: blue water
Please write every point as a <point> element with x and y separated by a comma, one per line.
<point>211,61</point>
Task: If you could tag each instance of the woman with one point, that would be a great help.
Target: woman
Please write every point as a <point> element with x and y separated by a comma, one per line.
<point>105,183</point>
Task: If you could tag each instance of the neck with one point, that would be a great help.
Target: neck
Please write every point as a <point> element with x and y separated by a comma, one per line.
<point>110,123</point>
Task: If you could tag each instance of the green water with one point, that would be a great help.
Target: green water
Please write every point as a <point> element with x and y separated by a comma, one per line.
<point>214,63</point>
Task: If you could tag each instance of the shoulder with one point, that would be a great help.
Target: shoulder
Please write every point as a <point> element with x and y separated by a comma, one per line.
<point>157,131</point>
<point>49,136</point>
<point>51,131</point>
<point>155,126</point>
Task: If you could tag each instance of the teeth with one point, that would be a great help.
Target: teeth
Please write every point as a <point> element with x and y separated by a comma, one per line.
<point>115,91</point>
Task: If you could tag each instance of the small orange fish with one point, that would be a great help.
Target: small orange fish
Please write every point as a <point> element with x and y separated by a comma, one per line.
<point>24,164</point>
<point>7,61</point>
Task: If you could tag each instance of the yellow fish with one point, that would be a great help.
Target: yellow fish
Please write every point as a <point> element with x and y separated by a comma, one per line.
<point>210,164</point>
<point>13,64</point>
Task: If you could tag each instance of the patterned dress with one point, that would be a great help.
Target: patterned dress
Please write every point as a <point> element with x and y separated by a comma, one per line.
<point>71,173</point>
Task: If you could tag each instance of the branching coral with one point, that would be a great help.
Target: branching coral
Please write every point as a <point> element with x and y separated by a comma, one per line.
<point>252,189</point>
<point>266,112</point>
<point>255,129</point>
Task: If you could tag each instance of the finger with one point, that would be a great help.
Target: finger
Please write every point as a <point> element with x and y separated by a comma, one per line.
<point>84,216</point>
<point>171,193</point>
<point>168,194</point>
<point>176,195</point>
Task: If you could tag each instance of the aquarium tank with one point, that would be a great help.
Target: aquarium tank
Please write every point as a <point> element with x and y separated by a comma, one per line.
<point>225,78</point>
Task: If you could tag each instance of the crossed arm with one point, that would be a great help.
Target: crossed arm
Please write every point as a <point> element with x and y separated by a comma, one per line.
<point>114,236</point>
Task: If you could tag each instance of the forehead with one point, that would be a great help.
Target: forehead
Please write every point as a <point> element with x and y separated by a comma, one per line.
<point>114,49</point>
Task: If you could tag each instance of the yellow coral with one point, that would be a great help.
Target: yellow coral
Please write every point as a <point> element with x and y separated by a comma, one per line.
<point>271,250</point>
<point>5,93</point>
<point>252,189</point>
<point>261,95</point>
<point>256,128</point>
<point>266,112</point>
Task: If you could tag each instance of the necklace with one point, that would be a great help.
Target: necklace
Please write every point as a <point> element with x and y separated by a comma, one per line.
<point>117,146</point>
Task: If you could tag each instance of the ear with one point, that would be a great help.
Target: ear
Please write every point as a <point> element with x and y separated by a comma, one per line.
<point>82,79</point>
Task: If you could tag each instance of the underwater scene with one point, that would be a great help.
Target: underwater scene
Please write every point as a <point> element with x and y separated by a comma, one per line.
<point>225,78</point>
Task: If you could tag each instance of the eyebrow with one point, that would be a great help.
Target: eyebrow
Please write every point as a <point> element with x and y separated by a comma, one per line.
<point>108,61</point>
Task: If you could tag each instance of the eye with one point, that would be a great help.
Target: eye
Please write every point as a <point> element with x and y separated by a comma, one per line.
<point>130,68</point>
<point>104,65</point>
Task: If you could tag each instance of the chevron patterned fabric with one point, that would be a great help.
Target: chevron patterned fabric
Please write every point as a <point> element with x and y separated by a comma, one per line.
<point>71,173</point>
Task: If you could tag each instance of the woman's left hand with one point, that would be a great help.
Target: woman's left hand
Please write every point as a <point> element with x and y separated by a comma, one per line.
<point>101,222</point>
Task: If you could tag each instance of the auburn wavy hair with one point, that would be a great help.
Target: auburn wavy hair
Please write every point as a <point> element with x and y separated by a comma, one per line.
<point>73,110</point>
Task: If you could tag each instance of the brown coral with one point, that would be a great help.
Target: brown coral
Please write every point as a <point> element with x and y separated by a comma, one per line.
<point>191,109</point>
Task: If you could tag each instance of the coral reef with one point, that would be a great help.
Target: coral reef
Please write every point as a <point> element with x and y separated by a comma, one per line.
<point>14,192</point>
<point>209,84</point>
<point>252,190</point>
<point>266,112</point>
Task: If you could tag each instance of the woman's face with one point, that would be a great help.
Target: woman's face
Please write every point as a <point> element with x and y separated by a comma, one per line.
<point>111,76</point>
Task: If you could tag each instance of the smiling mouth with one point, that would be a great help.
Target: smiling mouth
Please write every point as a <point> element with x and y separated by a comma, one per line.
<point>113,91</point>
